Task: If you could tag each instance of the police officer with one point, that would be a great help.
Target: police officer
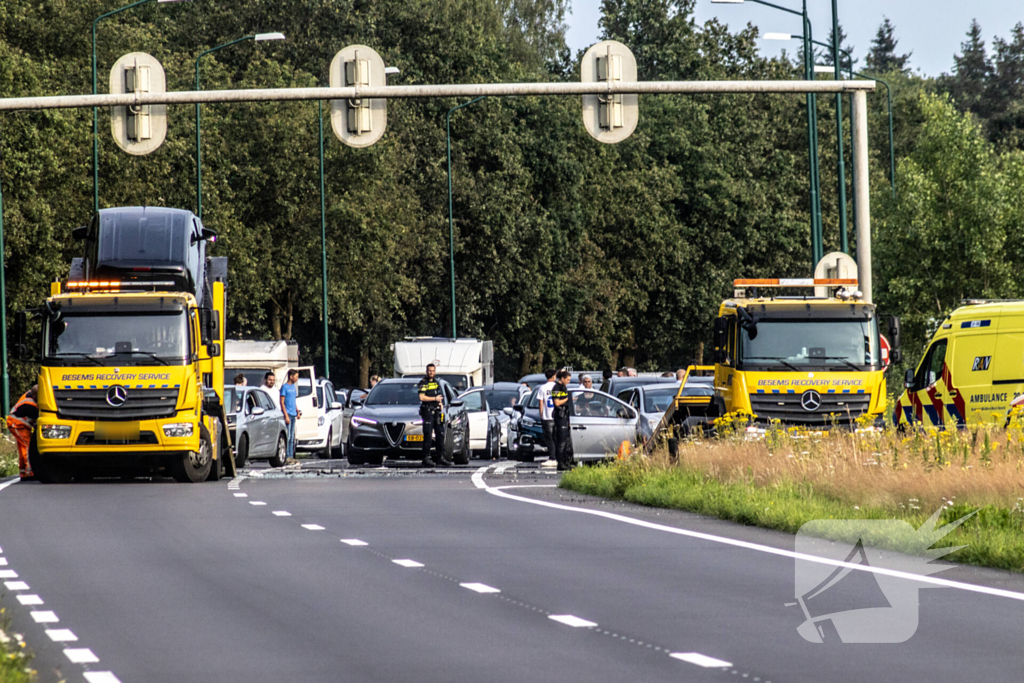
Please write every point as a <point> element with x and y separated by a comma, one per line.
<point>563,437</point>
<point>432,413</point>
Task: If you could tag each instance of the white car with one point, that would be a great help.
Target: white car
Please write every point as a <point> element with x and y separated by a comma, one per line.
<point>327,443</point>
<point>484,429</point>
<point>501,397</point>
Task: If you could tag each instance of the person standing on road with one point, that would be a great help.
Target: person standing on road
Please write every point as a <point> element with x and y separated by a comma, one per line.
<point>240,380</point>
<point>547,415</point>
<point>270,386</point>
<point>289,396</point>
<point>563,435</point>
<point>432,414</point>
<point>22,423</point>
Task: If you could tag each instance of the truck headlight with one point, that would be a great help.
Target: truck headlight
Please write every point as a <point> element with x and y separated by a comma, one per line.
<point>56,431</point>
<point>320,421</point>
<point>178,430</point>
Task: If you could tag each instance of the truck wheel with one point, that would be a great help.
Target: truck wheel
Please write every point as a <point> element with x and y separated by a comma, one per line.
<point>281,454</point>
<point>49,470</point>
<point>325,454</point>
<point>194,466</point>
<point>242,455</point>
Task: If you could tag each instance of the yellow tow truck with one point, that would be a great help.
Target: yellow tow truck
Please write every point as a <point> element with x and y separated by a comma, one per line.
<point>131,373</point>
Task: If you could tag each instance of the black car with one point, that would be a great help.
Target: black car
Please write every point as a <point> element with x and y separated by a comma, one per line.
<point>387,423</point>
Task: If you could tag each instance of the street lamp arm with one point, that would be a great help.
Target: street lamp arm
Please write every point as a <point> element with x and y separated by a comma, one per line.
<point>778,7</point>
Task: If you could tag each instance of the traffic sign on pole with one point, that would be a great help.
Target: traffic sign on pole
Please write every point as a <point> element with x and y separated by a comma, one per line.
<point>138,129</point>
<point>610,117</point>
<point>358,122</point>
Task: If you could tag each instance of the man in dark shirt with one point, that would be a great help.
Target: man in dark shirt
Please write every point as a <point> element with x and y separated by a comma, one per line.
<point>432,413</point>
<point>563,436</point>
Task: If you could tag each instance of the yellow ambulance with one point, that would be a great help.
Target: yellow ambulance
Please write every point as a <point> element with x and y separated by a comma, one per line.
<point>972,370</point>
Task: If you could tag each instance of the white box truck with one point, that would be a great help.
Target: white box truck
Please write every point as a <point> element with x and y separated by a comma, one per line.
<point>254,358</point>
<point>463,363</point>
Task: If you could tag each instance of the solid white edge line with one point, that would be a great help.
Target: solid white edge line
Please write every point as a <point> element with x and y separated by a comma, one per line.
<point>13,480</point>
<point>101,677</point>
<point>478,481</point>
<point>700,660</point>
<point>480,587</point>
<point>81,655</point>
<point>61,635</point>
<point>572,620</point>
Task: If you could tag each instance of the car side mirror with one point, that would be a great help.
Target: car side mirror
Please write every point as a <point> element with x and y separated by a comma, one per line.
<point>508,411</point>
<point>521,409</point>
<point>258,411</point>
<point>357,403</point>
<point>457,403</point>
<point>908,379</point>
<point>80,233</point>
<point>336,406</point>
<point>213,350</point>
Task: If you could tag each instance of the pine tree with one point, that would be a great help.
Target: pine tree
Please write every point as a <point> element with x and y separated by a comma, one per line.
<point>972,70</point>
<point>882,57</point>
<point>843,46</point>
<point>1006,81</point>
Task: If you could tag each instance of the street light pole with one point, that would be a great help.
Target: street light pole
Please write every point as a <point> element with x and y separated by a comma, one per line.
<point>843,237</point>
<point>817,239</point>
<point>451,225</point>
<point>199,153</point>
<point>3,314</point>
<point>323,241</point>
<point>95,110</point>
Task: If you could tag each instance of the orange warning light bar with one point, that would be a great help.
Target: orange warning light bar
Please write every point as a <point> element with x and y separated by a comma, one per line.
<point>795,282</point>
<point>102,284</point>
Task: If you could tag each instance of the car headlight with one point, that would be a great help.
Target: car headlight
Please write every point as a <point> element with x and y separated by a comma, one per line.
<point>416,422</point>
<point>320,421</point>
<point>356,421</point>
<point>178,430</point>
<point>56,431</point>
<point>529,422</point>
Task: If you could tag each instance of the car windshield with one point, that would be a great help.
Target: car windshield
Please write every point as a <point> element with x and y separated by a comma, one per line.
<point>460,382</point>
<point>131,339</point>
<point>232,399</point>
<point>658,400</point>
<point>253,376</point>
<point>800,344</point>
<point>501,399</point>
<point>394,394</point>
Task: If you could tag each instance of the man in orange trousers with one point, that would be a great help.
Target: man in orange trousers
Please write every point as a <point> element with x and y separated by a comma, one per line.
<point>22,423</point>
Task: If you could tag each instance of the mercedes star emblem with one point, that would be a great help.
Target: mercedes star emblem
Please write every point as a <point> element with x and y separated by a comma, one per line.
<point>811,400</point>
<point>117,395</point>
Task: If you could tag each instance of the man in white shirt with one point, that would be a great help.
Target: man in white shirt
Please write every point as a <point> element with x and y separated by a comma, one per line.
<point>269,386</point>
<point>547,411</point>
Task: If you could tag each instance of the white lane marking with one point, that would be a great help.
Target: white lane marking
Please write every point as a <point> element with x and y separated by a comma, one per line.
<point>3,561</point>
<point>479,482</point>
<point>81,655</point>
<point>30,600</point>
<point>16,585</point>
<point>13,480</point>
<point>282,513</point>
<point>61,635</point>
<point>505,466</point>
<point>480,587</point>
<point>101,677</point>
<point>407,563</point>
<point>256,502</point>
<point>241,495</point>
<point>700,660</point>
<point>8,574</point>
<point>312,527</point>
<point>44,617</point>
<point>353,541</point>
<point>570,620</point>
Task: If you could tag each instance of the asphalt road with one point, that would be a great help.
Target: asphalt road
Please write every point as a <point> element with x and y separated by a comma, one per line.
<point>251,581</point>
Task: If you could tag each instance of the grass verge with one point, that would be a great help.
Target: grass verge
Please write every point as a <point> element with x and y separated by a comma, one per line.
<point>8,456</point>
<point>789,478</point>
<point>14,660</point>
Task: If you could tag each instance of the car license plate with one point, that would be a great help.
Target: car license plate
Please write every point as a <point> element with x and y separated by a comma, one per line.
<point>414,437</point>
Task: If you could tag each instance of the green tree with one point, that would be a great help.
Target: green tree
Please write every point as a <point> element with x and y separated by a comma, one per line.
<point>882,57</point>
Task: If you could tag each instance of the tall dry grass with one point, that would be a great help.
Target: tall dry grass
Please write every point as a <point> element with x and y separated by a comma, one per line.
<point>981,465</point>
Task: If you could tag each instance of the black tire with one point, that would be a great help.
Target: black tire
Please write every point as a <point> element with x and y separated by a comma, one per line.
<point>496,445</point>
<point>325,454</point>
<point>217,467</point>
<point>339,452</point>
<point>375,460</point>
<point>48,470</point>
<point>353,456</point>
<point>281,454</point>
<point>194,467</point>
<point>462,458</point>
<point>242,452</point>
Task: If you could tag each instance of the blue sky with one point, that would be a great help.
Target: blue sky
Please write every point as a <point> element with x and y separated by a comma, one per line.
<point>931,29</point>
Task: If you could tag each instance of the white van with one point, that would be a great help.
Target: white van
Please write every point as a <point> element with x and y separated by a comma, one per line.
<point>255,358</point>
<point>463,363</point>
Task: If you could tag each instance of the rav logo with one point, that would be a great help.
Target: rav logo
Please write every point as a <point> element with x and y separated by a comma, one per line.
<point>981,363</point>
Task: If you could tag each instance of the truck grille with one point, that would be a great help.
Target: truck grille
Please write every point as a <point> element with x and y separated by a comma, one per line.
<point>91,404</point>
<point>788,408</point>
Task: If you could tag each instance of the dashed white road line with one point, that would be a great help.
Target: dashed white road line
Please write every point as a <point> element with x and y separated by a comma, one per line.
<point>480,587</point>
<point>700,660</point>
<point>101,677</point>
<point>81,655</point>
<point>44,617</point>
<point>572,620</point>
<point>408,563</point>
<point>312,527</point>
<point>30,600</point>
<point>3,561</point>
<point>282,513</point>
<point>16,585</point>
<point>256,502</point>
<point>61,635</point>
<point>353,541</point>
<point>478,481</point>
<point>241,495</point>
<point>8,574</point>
